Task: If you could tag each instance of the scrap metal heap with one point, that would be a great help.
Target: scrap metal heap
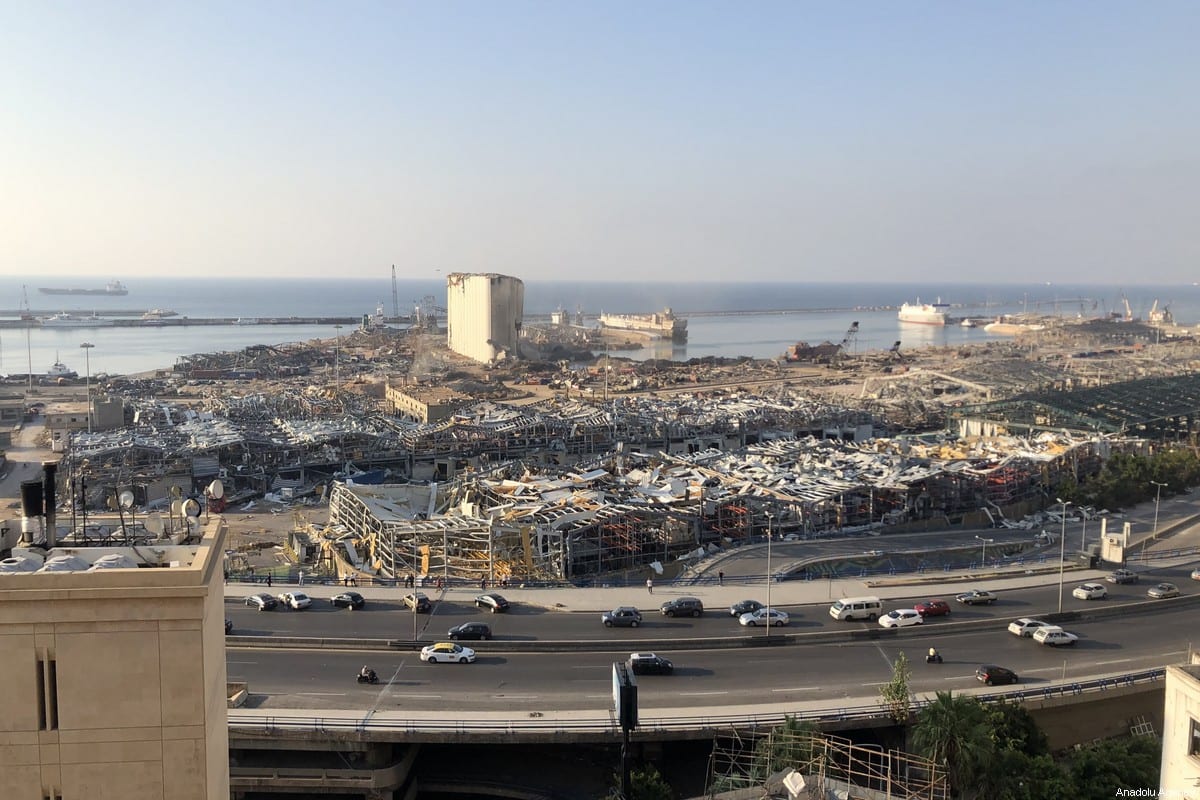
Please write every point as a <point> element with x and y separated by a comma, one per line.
<point>627,509</point>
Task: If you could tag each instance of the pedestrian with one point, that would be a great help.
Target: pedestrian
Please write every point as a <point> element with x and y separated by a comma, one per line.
<point>483,584</point>
<point>268,580</point>
<point>410,581</point>
<point>720,577</point>
<point>650,585</point>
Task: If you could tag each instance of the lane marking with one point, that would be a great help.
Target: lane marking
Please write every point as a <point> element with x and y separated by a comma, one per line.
<point>322,694</point>
<point>1114,661</point>
<point>699,694</point>
<point>877,683</point>
<point>517,696</point>
<point>798,689</point>
<point>430,696</point>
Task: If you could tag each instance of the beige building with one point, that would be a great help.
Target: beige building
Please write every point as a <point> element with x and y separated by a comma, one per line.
<point>114,679</point>
<point>425,403</point>
<point>1179,770</point>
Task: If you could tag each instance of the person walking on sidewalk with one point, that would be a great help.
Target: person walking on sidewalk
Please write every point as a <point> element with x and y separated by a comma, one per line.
<point>650,585</point>
<point>720,577</point>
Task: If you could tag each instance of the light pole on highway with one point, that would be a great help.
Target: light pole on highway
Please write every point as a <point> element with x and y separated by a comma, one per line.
<point>87,358</point>
<point>986,542</point>
<point>1062,550</point>
<point>1157,497</point>
<point>769,609</point>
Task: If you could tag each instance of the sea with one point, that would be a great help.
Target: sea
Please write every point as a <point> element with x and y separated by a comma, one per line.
<point>759,320</point>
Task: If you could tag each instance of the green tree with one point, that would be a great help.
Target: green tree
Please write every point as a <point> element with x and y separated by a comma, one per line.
<point>953,731</point>
<point>1098,770</point>
<point>1014,775</point>
<point>895,693</point>
<point>789,745</point>
<point>645,783</point>
<point>1011,727</point>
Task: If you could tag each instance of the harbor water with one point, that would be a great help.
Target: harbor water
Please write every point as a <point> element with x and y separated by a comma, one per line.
<point>757,320</point>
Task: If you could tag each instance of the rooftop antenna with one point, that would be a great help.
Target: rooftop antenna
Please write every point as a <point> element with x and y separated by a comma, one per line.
<point>125,503</point>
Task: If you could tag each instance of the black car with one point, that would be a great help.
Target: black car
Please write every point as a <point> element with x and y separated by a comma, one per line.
<point>649,664</point>
<point>993,675</point>
<point>682,607</point>
<point>744,607</point>
<point>263,602</point>
<point>1122,576</point>
<point>470,630</point>
<point>492,602</point>
<point>350,600</point>
<point>228,626</point>
<point>418,601</point>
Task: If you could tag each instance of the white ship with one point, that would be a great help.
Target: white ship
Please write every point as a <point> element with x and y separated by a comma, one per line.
<point>65,320</point>
<point>664,325</point>
<point>924,313</point>
<point>60,370</point>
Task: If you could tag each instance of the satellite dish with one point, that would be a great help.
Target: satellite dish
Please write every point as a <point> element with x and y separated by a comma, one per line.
<point>191,508</point>
<point>125,498</point>
<point>176,492</point>
<point>154,523</point>
<point>176,507</point>
<point>216,490</point>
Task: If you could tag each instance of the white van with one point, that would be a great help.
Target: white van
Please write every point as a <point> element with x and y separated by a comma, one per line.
<point>857,608</point>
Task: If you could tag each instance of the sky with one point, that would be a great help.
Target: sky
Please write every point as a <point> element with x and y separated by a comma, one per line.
<point>697,140</point>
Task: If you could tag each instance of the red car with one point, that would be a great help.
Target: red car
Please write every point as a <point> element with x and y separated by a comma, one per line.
<point>932,608</point>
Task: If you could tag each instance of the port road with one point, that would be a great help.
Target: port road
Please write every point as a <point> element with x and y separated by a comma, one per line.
<point>389,620</point>
<point>783,677</point>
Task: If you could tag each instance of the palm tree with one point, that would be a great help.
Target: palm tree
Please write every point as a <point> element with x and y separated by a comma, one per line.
<point>953,731</point>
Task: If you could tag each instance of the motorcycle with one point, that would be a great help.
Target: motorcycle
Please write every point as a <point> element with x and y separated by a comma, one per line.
<point>933,658</point>
<point>370,677</point>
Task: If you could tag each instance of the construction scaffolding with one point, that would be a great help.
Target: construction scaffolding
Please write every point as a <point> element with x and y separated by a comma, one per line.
<point>831,767</point>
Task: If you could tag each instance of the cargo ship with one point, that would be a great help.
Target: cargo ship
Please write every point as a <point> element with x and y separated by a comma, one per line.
<point>664,325</point>
<point>924,313</point>
<point>113,288</point>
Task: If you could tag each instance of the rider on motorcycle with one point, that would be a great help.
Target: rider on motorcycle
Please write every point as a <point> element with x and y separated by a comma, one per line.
<point>366,673</point>
<point>934,655</point>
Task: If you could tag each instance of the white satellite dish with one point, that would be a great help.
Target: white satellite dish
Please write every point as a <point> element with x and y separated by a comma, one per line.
<point>154,523</point>
<point>176,507</point>
<point>191,508</point>
<point>125,498</point>
<point>216,490</point>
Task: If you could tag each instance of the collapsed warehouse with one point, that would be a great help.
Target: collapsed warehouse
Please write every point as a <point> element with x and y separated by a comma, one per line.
<point>629,509</point>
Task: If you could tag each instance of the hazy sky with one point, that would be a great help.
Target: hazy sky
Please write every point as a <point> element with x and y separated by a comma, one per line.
<point>613,140</point>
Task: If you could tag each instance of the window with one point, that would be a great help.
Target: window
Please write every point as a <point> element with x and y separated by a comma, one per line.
<point>1194,739</point>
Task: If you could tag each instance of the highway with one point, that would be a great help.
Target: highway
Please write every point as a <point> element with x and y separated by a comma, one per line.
<point>389,620</point>
<point>578,677</point>
<point>704,679</point>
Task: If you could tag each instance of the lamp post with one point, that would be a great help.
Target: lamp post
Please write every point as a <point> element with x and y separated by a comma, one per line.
<point>983,556</point>
<point>769,610</point>
<point>1157,497</point>
<point>337,352</point>
<point>87,357</point>
<point>1062,550</point>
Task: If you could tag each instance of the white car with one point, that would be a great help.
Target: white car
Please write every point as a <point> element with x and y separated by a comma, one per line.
<point>1089,591</point>
<point>295,600</point>
<point>901,618</point>
<point>1054,636</point>
<point>447,651</point>
<point>764,616</point>
<point>1025,627</point>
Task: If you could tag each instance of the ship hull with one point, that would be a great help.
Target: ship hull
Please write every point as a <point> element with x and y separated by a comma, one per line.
<point>90,292</point>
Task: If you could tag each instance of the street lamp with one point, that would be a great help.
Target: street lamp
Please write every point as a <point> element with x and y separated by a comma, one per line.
<point>337,351</point>
<point>983,556</point>
<point>1062,550</point>
<point>769,610</point>
<point>1157,497</point>
<point>87,357</point>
